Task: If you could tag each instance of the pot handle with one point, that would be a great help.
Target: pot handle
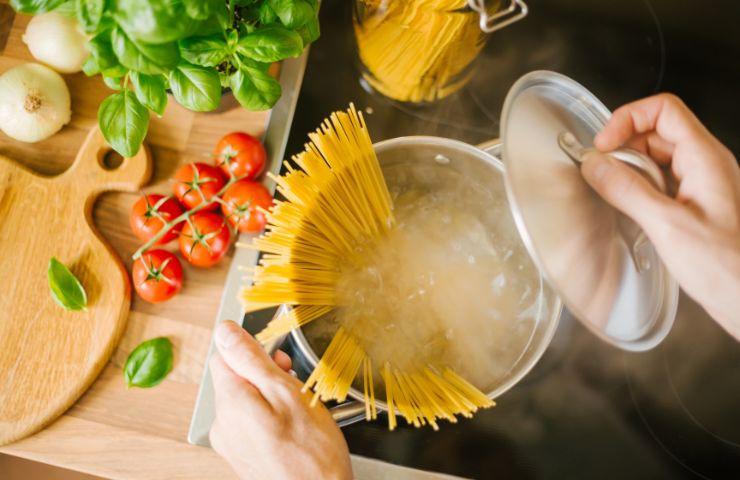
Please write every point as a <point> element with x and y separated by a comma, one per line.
<point>345,413</point>
<point>516,10</point>
<point>348,413</point>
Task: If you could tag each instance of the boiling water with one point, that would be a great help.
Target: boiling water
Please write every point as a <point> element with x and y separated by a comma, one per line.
<point>451,285</point>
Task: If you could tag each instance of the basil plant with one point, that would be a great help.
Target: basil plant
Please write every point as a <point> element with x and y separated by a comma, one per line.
<point>193,48</point>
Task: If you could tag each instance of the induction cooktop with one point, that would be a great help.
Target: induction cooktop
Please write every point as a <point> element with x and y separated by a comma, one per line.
<point>587,410</point>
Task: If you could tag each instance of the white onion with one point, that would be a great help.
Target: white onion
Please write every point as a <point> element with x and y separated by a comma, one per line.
<point>34,102</point>
<point>57,41</point>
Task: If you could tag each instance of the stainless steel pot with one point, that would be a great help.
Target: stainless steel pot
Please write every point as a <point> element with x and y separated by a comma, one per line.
<point>484,163</point>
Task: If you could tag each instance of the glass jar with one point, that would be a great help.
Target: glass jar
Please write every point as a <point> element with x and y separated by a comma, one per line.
<point>419,51</point>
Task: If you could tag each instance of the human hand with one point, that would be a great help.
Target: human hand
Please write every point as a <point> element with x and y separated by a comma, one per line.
<point>696,231</point>
<point>264,426</point>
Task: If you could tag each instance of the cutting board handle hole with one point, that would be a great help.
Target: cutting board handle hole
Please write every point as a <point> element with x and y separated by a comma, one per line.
<point>111,160</point>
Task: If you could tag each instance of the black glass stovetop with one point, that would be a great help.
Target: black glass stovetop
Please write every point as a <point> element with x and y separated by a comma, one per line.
<point>587,410</point>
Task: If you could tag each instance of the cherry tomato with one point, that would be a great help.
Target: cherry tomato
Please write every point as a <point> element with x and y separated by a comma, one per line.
<point>149,214</point>
<point>204,239</point>
<point>195,182</point>
<point>241,154</point>
<point>240,205</point>
<point>157,275</point>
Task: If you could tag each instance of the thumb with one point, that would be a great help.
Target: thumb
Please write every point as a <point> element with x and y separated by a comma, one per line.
<point>245,356</point>
<point>625,188</point>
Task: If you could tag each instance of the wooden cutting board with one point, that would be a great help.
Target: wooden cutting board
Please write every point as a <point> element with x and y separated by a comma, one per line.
<point>49,356</point>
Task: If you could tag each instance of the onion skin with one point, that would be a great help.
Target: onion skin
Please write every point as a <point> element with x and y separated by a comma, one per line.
<point>34,102</point>
<point>57,41</point>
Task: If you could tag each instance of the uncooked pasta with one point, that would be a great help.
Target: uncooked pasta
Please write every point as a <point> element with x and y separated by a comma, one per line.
<point>417,50</point>
<point>336,211</point>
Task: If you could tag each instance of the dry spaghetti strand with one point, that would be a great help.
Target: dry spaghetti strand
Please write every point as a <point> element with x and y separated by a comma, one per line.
<point>337,201</point>
<point>417,50</point>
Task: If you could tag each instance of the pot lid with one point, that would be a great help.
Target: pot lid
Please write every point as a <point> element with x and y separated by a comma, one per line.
<point>598,261</point>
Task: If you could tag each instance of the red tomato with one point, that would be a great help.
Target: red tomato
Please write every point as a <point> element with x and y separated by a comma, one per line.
<point>240,205</point>
<point>196,182</point>
<point>149,214</point>
<point>157,275</point>
<point>240,154</point>
<point>204,239</point>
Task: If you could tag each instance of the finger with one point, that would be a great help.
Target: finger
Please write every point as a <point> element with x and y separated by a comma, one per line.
<point>626,189</point>
<point>245,356</point>
<point>231,389</point>
<point>654,146</point>
<point>283,360</point>
<point>665,114</point>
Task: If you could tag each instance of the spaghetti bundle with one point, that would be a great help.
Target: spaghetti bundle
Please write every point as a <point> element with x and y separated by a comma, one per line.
<point>336,210</point>
<point>417,50</point>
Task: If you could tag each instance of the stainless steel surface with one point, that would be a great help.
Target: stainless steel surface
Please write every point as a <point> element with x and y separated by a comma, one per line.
<point>570,145</point>
<point>583,246</point>
<point>275,139</point>
<point>490,22</point>
<point>483,165</point>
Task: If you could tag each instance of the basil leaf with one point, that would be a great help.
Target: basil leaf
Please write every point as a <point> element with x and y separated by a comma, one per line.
<point>195,88</point>
<point>202,9</point>
<point>205,51</point>
<point>154,21</point>
<point>150,90</point>
<point>255,89</point>
<point>310,32</point>
<point>68,8</point>
<point>265,14</point>
<point>35,6</point>
<point>105,59</point>
<point>149,363</point>
<point>293,13</point>
<point>123,121</point>
<point>89,13</point>
<point>114,83</point>
<point>66,290</point>
<point>143,57</point>
<point>270,44</point>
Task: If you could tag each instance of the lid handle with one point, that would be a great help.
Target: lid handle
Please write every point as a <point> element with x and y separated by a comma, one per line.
<point>576,151</point>
<point>516,10</point>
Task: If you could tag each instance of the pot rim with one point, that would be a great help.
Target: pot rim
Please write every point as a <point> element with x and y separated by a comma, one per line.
<point>554,317</point>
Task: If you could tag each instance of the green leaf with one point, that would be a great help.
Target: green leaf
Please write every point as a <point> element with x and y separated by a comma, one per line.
<point>196,88</point>
<point>149,363</point>
<point>255,89</point>
<point>124,122</point>
<point>150,90</point>
<point>114,83</point>
<point>35,6</point>
<point>202,9</point>
<point>89,14</point>
<point>154,21</point>
<point>266,14</point>
<point>293,13</point>
<point>68,8</point>
<point>66,290</point>
<point>144,57</point>
<point>206,51</point>
<point>310,32</point>
<point>103,58</point>
<point>271,44</point>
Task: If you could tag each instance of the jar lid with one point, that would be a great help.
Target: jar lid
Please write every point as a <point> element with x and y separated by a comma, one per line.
<point>598,260</point>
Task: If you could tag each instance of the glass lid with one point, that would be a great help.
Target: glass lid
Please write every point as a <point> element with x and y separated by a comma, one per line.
<point>599,261</point>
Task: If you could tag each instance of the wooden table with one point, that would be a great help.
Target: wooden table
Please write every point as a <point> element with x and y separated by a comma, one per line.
<point>113,431</point>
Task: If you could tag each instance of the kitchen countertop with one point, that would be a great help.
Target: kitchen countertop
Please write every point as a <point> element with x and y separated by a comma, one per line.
<point>587,409</point>
<point>112,431</point>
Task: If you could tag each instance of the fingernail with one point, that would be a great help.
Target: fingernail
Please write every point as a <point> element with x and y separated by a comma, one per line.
<point>227,334</point>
